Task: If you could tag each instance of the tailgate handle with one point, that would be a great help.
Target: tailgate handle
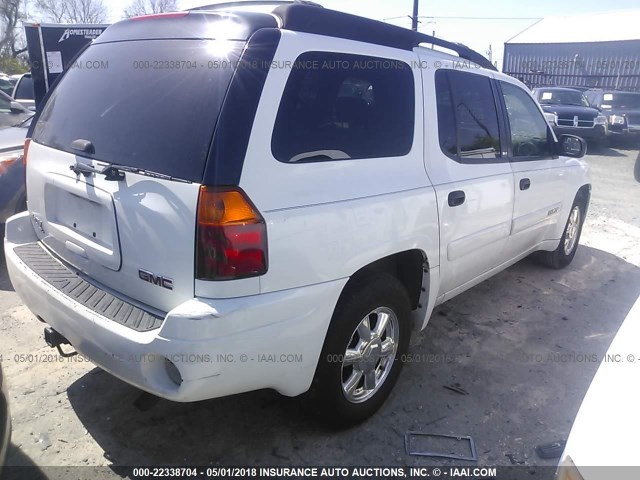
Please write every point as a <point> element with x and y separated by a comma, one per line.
<point>77,249</point>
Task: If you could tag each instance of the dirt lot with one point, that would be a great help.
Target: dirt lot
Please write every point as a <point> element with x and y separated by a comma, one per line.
<point>521,345</point>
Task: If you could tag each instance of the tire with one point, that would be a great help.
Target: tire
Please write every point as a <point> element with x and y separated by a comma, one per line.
<point>563,255</point>
<point>371,299</point>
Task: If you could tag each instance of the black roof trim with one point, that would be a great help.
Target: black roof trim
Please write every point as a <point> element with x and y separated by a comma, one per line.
<point>322,21</point>
<point>193,25</point>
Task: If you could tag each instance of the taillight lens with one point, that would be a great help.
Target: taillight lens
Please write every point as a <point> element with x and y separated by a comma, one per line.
<point>232,236</point>
<point>27,143</point>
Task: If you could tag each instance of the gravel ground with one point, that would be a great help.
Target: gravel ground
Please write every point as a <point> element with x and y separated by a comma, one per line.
<point>524,345</point>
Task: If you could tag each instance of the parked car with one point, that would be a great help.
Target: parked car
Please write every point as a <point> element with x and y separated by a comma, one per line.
<point>23,91</point>
<point>293,219</point>
<point>13,196</point>
<point>6,86</point>
<point>621,108</point>
<point>588,455</point>
<point>11,112</point>
<point>5,420</point>
<point>569,112</point>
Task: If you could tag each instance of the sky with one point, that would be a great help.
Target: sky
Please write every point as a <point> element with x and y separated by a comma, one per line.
<point>493,23</point>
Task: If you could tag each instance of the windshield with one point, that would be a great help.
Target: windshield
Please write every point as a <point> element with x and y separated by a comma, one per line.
<point>154,104</point>
<point>629,100</point>
<point>563,97</point>
<point>25,89</point>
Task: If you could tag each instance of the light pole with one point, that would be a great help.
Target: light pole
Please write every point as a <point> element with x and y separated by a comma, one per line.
<point>414,18</point>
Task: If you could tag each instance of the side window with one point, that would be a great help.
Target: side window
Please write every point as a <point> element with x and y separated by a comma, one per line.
<point>25,89</point>
<point>339,106</point>
<point>467,116</point>
<point>529,129</point>
<point>5,104</point>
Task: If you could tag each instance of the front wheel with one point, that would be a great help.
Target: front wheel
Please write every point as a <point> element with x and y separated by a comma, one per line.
<point>563,255</point>
<point>361,357</point>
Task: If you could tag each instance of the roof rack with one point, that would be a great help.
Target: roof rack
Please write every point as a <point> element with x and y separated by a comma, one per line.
<point>309,19</point>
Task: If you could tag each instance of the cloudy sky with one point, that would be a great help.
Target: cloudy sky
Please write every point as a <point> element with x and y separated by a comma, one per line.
<point>478,24</point>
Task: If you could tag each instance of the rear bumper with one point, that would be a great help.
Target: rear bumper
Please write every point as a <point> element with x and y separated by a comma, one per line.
<point>220,347</point>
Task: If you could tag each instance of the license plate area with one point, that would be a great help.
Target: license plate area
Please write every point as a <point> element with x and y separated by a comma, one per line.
<point>80,223</point>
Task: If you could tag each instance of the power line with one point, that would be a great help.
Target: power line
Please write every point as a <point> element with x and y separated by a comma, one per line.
<point>465,18</point>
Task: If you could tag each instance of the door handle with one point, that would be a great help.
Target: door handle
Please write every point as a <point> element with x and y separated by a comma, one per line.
<point>456,198</point>
<point>525,183</point>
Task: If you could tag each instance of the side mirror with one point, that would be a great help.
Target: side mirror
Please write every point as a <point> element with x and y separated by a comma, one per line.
<point>571,146</point>
<point>16,108</point>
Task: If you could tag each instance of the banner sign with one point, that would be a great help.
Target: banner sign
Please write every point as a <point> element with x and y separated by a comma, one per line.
<point>52,48</point>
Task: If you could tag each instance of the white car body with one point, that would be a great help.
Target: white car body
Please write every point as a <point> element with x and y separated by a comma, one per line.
<point>608,411</point>
<point>326,221</point>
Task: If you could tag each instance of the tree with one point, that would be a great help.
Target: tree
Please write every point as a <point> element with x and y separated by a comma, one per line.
<point>11,40</point>
<point>73,11</point>
<point>148,7</point>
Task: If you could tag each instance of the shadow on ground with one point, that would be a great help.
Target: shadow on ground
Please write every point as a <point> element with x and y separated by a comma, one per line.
<point>516,343</point>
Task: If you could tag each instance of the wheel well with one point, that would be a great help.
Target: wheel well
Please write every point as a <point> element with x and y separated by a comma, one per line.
<point>409,267</point>
<point>584,196</point>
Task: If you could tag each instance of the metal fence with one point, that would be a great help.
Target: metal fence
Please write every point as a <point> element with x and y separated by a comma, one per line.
<point>610,65</point>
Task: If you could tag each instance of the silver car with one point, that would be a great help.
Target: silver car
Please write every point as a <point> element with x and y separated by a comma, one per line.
<point>12,188</point>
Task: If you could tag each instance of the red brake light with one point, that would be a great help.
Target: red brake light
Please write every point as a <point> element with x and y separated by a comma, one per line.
<point>27,143</point>
<point>231,236</point>
<point>161,15</point>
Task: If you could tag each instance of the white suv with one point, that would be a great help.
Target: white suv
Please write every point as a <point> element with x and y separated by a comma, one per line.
<point>249,200</point>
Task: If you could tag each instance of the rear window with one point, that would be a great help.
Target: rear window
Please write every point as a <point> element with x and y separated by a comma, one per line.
<point>150,104</point>
<point>25,89</point>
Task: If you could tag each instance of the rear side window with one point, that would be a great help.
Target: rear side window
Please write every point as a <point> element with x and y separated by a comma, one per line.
<point>25,89</point>
<point>529,129</point>
<point>467,116</point>
<point>338,106</point>
<point>149,104</point>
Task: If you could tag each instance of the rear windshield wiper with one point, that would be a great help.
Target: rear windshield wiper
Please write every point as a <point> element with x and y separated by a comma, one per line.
<point>146,173</point>
<point>115,173</point>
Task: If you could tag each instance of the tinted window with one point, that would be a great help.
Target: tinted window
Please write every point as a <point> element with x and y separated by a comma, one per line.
<point>142,110</point>
<point>529,129</point>
<point>338,106</point>
<point>467,116</point>
<point>25,89</point>
<point>446,116</point>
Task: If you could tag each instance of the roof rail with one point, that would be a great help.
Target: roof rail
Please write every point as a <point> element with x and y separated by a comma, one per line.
<point>253,3</point>
<point>304,18</point>
<point>462,50</point>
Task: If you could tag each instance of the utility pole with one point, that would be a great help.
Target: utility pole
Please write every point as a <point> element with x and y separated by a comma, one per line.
<point>414,18</point>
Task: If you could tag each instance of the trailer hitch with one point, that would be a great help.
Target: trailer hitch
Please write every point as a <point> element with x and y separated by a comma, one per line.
<point>55,340</point>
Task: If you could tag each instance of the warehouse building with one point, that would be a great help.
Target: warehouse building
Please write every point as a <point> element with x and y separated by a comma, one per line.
<point>590,51</point>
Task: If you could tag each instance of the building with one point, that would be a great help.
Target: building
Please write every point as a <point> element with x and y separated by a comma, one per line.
<point>595,50</point>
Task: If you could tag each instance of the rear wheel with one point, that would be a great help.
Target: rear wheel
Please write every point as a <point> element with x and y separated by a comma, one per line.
<point>563,255</point>
<point>361,358</point>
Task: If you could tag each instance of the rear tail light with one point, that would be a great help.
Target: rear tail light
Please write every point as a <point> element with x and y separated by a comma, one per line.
<point>27,143</point>
<point>231,236</point>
